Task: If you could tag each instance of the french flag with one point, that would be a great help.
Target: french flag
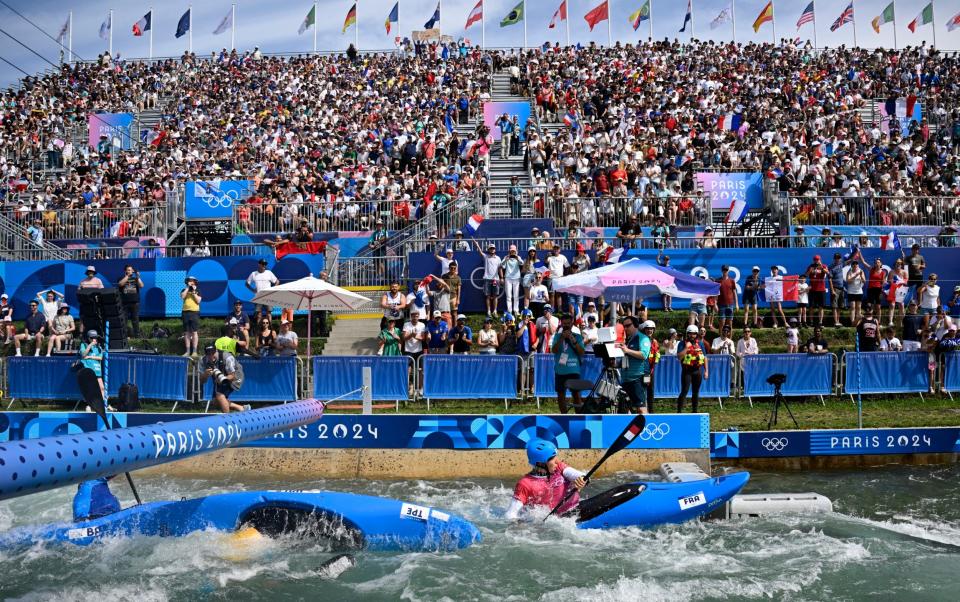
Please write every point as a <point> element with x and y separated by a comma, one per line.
<point>612,255</point>
<point>473,224</point>
<point>541,268</point>
<point>738,210</point>
<point>890,242</point>
<point>730,121</point>
<point>570,120</point>
<point>143,25</point>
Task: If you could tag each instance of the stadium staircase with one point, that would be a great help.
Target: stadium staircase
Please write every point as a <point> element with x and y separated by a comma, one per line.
<point>353,336</point>
<point>16,245</point>
<point>502,170</point>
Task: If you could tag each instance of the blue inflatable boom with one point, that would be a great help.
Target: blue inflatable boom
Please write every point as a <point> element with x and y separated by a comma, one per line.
<point>40,464</point>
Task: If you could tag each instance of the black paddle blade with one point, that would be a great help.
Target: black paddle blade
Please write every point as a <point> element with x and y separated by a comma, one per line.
<point>626,437</point>
<point>90,390</point>
<point>336,566</point>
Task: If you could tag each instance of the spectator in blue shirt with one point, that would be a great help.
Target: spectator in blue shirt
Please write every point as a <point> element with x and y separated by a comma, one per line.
<point>437,332</point>
<point>636,351</point>
<point>567,349</point>
<point>461,337</point>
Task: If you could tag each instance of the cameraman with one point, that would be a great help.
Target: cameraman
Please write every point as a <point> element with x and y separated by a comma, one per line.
<point>636,372</point>
<point>130,286</point>
<point>190,315</point>
<point>567,349</point>
<point>227,374</point>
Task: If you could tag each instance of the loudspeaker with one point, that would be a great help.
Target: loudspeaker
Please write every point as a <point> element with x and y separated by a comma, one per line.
<point>99,307</point>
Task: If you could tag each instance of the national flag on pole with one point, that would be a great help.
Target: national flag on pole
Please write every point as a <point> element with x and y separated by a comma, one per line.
<point>63,31</point>
<point>954,22</point>
<point>183,25</point>
<point>393,18</point>
<point>143,24</point>
<point>598,14</point>
<point>300,248</point>
<point>806,16</point>
<point>730,122</point>
<point>225,24</point>
<point>612,255</point>
<point>514,16</point>
<point>780,288</point>
<point>561,15</point>
<point>105,28</point>
<point>845,17</point>
<point>887,16</point>
<point>689,16</point>
<point>309,21</point>
<point>765,16</point>
<point>642,14</point>
<point>738,211</point>
<point>475,15</point>
<point>351,18</point>
<point>474,223</point>
<point>432,22</point>
<point>924,17</point>
<point>723,17</point>
<point>890,242</point>
<point>570,119</point>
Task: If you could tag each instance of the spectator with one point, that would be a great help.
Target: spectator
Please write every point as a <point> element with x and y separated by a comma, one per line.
<point>190,315</point>
<point>491,277</point>
<point>159,332</point>
<point>929,296</point>
<point>34,329</point>
<point>940,323</point>
<point>240,323</point>
<point>670,343</point>
<point>698,309</point>
<point>667,300</point>
<point>227,373</point>
<point>445,260</point>
<point>817,344</point>
<point>459,244</point>
<point>6,319</point>
<point>776,307</point>
<point>875,281</point>
<point>91,356</point>
<point>855,280</point>
<point>454,285</point>
<point>838,287</point>
<point>949,343</point>
<point>817,273</point>
<point>727,301</point>
<point>129,287</point>
<point>443,301</point>
<point>266,338</point>
<point>90,280</point>
<point>50,302</point>
<point>527,340</point>
<point>803,300</point>
<point>723,344</point>
<point>392,302</point>
<point>259,280</point>
<point>889,342</point>
<point>897,281</point>
<point>538,296</point>
<point>62,328</point>
<point>389,338</point>
<point>912,328</point>
<point>487,339</point>
<point>287,342</point>
<point>750,288</point>
<point>547,326</point>
<point>378,244</point>
<point>510,273</point>
<point>793,336</point>
<point>591,333</point>
<point>414,335</point>
<point>693,369</point>
<point>868,331</point>
<point>506,135</point>
<point>629,232</point>
<point>515,198</point>
<point>953,305</point>
<point>461,337</point>
<point>747,345</point>
<point>507,337</point>
<point>567,349</point>
<point>636,374</point>
<point>437,331</point>
<point>557,264</point>
<point>916,264</point>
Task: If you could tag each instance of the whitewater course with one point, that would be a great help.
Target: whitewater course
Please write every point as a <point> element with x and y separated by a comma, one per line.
<point>275,519</point>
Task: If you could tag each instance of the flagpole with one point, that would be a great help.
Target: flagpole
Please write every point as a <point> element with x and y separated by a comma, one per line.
<point>815,46</point>
<point>483,25</point>
<point>854,22</point>
<point>933,23</point>
<point>773,20</point>
<point>315,27</point>
<point>111,33</point>
<point>70,38</point>
<point>733,17</point>
<point>566,21</point>
<point>356,27</point>
<point>609,23</point>
<point>151,32</point>
<point>894,4</point>
<point>650,21</point>
<point>233,26</point>
<point>190,31</point>
<point>524,24</point>
<point>691,22</point>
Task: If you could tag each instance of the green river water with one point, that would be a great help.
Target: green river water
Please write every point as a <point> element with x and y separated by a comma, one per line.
<point>894,534</point>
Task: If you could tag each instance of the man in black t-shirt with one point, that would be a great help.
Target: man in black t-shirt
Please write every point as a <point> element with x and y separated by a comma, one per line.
<point>630,232</point>
<point>912,328</point>
<point>817,345</point>
<point>130,286</point>
<point>868,330</point>
<point>916,264</point>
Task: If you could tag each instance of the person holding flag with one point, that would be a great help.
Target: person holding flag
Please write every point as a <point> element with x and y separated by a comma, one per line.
<point>896,290</point>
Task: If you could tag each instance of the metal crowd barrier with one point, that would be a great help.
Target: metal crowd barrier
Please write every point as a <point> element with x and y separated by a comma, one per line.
<point>464,374</point>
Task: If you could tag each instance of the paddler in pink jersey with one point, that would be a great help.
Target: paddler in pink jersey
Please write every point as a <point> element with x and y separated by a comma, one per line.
<point>547,483</point>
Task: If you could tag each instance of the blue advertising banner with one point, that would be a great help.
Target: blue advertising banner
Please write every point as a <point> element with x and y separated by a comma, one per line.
<point>341,377</point>
<point>806,374</point>
<point>493,431</point>
<point>854,442</point>
<point>951,375</point>
<point>725,189</point>
<point>470,376</point>
<point>214,199</point>
<point>886,372</point>
<point>115,127</point>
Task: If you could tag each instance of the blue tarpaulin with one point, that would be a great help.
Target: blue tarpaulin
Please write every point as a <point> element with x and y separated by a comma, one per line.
<point>470,376</point>
<point>159,377</point>
<point>265,379</point>
<point>886,372</point>
<point>951,376</point>
<point>806,374</point>
<point>335,376</point>
<point>543,384</point>
<point>666,380</point>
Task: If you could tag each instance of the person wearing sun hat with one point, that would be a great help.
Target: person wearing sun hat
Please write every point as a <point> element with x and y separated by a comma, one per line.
<point>90,279</point>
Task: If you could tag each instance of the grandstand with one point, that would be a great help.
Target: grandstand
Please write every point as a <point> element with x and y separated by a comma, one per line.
<point>367,168</point>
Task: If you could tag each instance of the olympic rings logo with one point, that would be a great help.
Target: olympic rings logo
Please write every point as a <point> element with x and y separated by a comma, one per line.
<point>224,201</point>
<point>775,443</point>
<point>655,431</point>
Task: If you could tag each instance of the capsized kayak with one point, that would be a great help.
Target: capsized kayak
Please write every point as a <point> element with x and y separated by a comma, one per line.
<point>650,503</point>
<point>344,520</point>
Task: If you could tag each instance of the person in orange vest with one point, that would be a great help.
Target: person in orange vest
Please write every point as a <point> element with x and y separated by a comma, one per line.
<point>693,368</point>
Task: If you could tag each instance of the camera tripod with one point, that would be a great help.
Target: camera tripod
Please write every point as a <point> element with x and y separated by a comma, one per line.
<point>778,400</point>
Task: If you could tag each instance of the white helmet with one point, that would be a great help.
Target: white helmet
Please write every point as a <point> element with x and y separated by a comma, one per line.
<point>648,324</point>
<point>693,329</point>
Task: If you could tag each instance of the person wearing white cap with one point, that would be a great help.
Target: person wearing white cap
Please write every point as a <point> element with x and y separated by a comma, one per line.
<point>459,244</point>
<point>90,279</point>
<point>491,276</point>
<point>510,272</point>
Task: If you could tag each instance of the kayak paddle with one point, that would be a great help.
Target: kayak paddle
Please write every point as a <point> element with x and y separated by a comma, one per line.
<point>626,437</point>
<point>336,566</point>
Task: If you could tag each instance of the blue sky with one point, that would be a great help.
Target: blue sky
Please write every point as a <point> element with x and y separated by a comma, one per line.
<point>272,25</point>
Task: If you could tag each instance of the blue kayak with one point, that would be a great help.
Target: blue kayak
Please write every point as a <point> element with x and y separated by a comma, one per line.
<point>344,520</point>
<point>648,504</point>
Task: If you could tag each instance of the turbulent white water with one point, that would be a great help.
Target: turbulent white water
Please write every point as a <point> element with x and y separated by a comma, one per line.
<point>895,532</point>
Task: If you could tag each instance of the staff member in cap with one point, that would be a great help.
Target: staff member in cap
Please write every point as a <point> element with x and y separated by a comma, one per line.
<point>567,348</point>
<point>636,372</point>
<point>693,368</point>
<point>259,280</point>
<point>227,374</point>
<point>90,280</point>
<point>648,328</point>
<point>190,315</point>
<point>91,356</point>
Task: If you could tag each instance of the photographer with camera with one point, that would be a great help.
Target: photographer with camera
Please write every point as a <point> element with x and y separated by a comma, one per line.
<point>130,286</point>
<point>227,374</point>
<point>190,315</point>
<point>567,349</point>
<point>636,372</point>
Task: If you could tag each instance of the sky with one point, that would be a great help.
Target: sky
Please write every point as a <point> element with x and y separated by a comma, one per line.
<point>272,25</point>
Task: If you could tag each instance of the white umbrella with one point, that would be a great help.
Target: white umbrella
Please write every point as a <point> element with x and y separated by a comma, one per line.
<point>312,294</point>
